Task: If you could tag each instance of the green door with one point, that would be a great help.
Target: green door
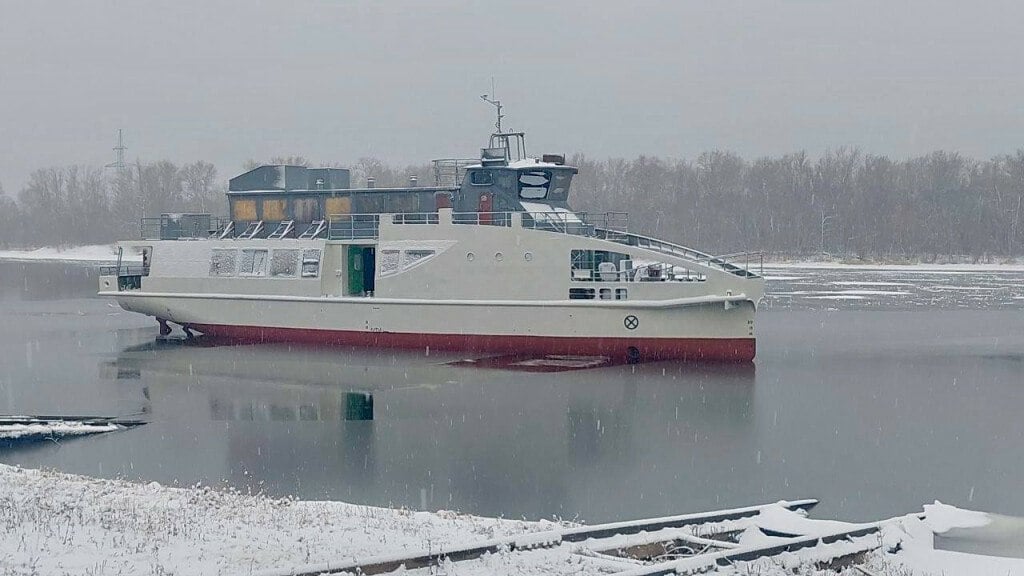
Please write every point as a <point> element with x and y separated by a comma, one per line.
<point>355,270</point>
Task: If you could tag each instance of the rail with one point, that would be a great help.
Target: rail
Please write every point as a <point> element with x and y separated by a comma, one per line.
<point>124,270</point>
<point>353,226</point>
<point>748,257</point>
<point>636,240</point>
<point>415,218</point>
<point>483,218</point>
<point>180,227</point>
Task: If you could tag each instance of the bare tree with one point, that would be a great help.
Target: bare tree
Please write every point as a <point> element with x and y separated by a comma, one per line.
<point>198,185</point>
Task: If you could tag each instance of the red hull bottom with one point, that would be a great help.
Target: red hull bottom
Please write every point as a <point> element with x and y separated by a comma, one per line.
<point>629,349</point>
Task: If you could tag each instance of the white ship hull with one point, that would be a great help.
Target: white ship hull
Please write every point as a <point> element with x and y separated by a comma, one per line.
<point>700,328</point>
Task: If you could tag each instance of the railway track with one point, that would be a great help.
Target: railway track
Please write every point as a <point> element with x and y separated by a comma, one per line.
<point>683,544</point>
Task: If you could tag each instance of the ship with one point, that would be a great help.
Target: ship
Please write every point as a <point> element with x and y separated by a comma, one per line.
<point>491,260</point>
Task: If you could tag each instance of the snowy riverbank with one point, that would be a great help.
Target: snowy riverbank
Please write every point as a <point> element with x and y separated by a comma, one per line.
<point>54,523</point>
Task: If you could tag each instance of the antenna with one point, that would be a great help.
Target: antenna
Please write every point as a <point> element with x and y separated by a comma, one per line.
<point>119,149</point>
<point>495,103</point>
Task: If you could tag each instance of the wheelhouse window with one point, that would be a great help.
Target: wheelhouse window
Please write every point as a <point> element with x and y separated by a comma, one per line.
<point>310,263</point>
<point>533,184</point>
<point>481,178</point>
<point>284,263</point>
<point>222,262</point>
<point>559,189</point>
<point>253,263</point>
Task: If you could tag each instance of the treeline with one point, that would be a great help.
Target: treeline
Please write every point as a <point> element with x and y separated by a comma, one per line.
<point>843,203</point>
<point>77,205</point>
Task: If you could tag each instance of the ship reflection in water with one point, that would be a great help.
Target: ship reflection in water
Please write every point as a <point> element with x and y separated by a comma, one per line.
<point>354,406</point>
<point>438,431</point>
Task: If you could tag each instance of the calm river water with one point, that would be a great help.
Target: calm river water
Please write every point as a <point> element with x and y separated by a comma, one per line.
<point>875,391</point>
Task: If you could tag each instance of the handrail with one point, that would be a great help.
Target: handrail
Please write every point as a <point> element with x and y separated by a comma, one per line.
<point>124,270</point>
<point>179,226</point>
<point>352,226</point>
<point>747,256</point>
<point>720,262</point>
<point>483,218</point>
<point>415,218</point>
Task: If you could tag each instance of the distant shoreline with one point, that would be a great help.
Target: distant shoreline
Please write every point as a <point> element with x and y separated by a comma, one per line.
<point>1005,266</point>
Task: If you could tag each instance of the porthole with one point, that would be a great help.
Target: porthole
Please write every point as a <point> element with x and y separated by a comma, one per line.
<point>499,256</point>
<point>470,256</point>
<point>528,256</point>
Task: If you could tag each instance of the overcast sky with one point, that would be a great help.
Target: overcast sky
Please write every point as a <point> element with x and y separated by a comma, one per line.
<point>401,81</point>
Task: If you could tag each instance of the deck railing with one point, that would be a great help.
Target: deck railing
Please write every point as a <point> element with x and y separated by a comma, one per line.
<point>726,262</point>
<point>124,270</point>
<point>611,226</point>
<point>180,226</point>
<point>353,226</point>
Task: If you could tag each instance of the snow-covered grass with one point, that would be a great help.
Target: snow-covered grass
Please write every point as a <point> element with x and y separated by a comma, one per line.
<point>54,523</point>
<point>96,253</point>
<point>60,524</point>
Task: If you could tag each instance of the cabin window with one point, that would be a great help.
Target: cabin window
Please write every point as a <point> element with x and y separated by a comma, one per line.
<point>621,294</point>
<point>243,210</point>
<point>481,178</point>
<point>371,203</point>
<point>599,266</point>
<point>310,263</point>
<point>304,210</point>
<point>273,210</point>
<point>222,262</point>
<point>253,263</point>
<point>581,293</point>
<point>389,261</point>
<point>414,256</point>
<point>284,263</point>
<point>338,205</point>
<point>533,185</point>
<point>402,203</point>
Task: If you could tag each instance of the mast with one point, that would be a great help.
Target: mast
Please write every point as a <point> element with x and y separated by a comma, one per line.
<point>500,138</point>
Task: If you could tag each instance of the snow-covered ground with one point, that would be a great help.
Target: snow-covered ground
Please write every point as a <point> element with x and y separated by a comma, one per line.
<point>54,523</point>
<point>97,253</point>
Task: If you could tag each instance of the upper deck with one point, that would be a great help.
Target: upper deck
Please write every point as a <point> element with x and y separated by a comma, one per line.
<point>278,201</point>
